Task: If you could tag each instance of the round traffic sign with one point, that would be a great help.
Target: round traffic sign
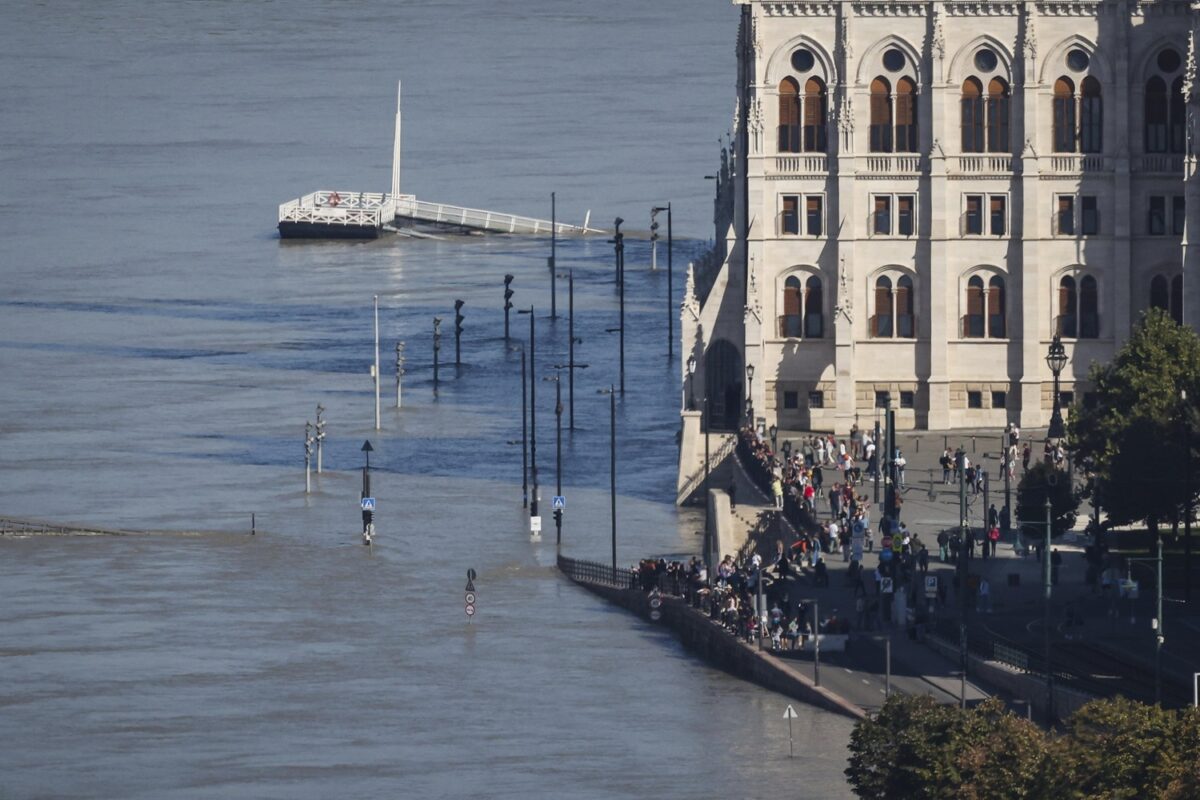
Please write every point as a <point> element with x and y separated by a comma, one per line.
<point>470,598</point>
<point>470,609</point>
<point>655,615</point>
<point>655,602</point>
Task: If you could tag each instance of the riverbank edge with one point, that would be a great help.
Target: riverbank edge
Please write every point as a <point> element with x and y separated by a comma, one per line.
<point>700,636</point>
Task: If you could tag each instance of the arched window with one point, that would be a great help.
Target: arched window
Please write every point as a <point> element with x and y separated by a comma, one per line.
<point>996,308</point>
<point>997,116</point>
<point>973,323</point>
<point>1178,115</point>
<point>881,323</point>
<point>814,115</point>
<point>905,320</point>
<point>1159,297</point>
<point>1177,299</point>
<point>881,116</point>
<point>1091,117</point>
<point>1156,116</point>
<point>906,116</point>
<point>814,322</point>
<point>972,116</point>
<point>789,116</point>
<point>790,324</point>
<point>1064,116</point>
<point>1089,309</point>
<point>1068,301</point>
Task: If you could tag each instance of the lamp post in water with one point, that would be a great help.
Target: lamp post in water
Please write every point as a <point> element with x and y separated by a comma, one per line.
<point>533,500</point>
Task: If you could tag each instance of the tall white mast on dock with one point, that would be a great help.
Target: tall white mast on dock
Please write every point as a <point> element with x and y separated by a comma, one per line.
<point>396,149</point>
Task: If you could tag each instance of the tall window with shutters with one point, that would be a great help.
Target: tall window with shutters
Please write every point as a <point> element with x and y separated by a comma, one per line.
<point>815,107</point>
<point>802,316</point>
<point>997,116</point>
<point>906,116</point>
<point>974,325</point>
<point>1064,115</point>
<point>881,323</point>
<point>789,116</point>
<point>881,116</point>
<point>972,116</point>
<point>996,307</point>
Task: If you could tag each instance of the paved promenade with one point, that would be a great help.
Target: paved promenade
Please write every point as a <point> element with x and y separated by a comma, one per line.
<point>1107,650</point>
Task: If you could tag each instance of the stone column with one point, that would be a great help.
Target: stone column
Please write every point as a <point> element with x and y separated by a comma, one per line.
<point>1026,317</point>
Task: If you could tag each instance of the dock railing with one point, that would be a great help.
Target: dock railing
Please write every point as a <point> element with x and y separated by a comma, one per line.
<point>335,207</point>
<point>479,219</point>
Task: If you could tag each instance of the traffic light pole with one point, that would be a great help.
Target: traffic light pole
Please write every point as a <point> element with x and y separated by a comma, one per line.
<point>437,345</point>
<point>508,293</point>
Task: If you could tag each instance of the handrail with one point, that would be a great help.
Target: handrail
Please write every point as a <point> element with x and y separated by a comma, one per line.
<point>582,571</point>
<point>693,481</point>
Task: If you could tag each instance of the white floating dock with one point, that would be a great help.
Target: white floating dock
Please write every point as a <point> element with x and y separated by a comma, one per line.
<point>337,214</point>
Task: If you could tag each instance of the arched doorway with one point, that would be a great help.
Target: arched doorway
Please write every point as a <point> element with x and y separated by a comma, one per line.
<point>723,384</point>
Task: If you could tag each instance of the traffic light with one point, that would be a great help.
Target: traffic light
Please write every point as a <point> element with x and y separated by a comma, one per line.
<point>558,517</point>
<point>508,292</point>
<point>458,329</point>
<point>654,225</point>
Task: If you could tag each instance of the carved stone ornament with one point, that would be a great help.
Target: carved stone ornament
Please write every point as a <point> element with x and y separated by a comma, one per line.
<point>1027,151</point>
<point>939,36</point>
<point>690,303</point>
<point>1030,31</point>
<point>844,38</point>
<point>845,301</point>
<point>1189,79</point>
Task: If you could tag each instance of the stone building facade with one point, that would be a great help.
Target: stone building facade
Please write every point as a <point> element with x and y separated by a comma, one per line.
<point>918,195</point>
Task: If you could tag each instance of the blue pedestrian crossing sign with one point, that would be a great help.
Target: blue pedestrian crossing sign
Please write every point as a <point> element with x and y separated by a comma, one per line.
<point>368,504</point>
<point>559,501</point>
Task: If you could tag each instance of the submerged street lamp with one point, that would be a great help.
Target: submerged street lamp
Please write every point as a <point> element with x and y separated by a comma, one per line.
<point>1056,359</point>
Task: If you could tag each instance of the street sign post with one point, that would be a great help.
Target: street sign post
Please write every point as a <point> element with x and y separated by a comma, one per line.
<point>535,527</point>
<point>885,586</point>
<point>559,502</point>
<point>470,595</point>
<point>368,504</point>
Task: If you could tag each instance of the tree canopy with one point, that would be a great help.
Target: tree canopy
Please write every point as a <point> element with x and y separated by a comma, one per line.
<point>1036,483</point>
<point>1131,434</point>
<point>915,749</point>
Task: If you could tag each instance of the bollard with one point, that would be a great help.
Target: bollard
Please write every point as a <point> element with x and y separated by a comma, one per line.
<point>253,530</point>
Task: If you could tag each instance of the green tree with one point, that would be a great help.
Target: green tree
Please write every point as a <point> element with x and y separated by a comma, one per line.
<point>1035,484</point>
<point>1130,437</point>
<point>1120,749</point>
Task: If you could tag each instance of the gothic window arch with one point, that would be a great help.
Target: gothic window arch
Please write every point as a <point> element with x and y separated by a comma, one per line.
<point>881,116</point>
<point>1078,307</point>
<point>803,307</point>
<point>986,307</point>
<point>1064,115</point>
<point>815,107</point>
<point>1168,295</point>
<point>789,116</point>
<point>1091,116</point>
<point>894,304</point>
<point>998,103</point>
<point>906,115</point>
<point>1164,109</point>
<point>972,116</point>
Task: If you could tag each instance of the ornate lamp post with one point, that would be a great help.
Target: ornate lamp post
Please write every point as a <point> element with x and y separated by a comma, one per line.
<point>1056,359</point>
<point>750,394</point>
<point>774,431</point>
<point>691,374</point>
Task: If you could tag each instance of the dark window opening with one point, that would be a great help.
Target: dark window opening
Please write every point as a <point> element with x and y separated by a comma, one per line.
<point>999,399</point>
<point>907,399</point>
<point>791,400</point>
<point>974,399</point>
<point>816,399</point>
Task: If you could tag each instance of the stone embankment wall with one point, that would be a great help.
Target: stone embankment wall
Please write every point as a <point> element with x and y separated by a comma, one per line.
<point>716,646</point>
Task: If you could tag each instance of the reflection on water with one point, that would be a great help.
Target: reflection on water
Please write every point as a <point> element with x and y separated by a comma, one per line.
<point>162,350</point>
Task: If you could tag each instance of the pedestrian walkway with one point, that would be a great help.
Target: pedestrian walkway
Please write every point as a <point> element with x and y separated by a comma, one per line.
<point>1104,651</point>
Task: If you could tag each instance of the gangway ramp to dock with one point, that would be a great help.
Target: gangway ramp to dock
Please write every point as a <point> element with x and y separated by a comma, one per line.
<point>409,207</point>
<point>342,214</point>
